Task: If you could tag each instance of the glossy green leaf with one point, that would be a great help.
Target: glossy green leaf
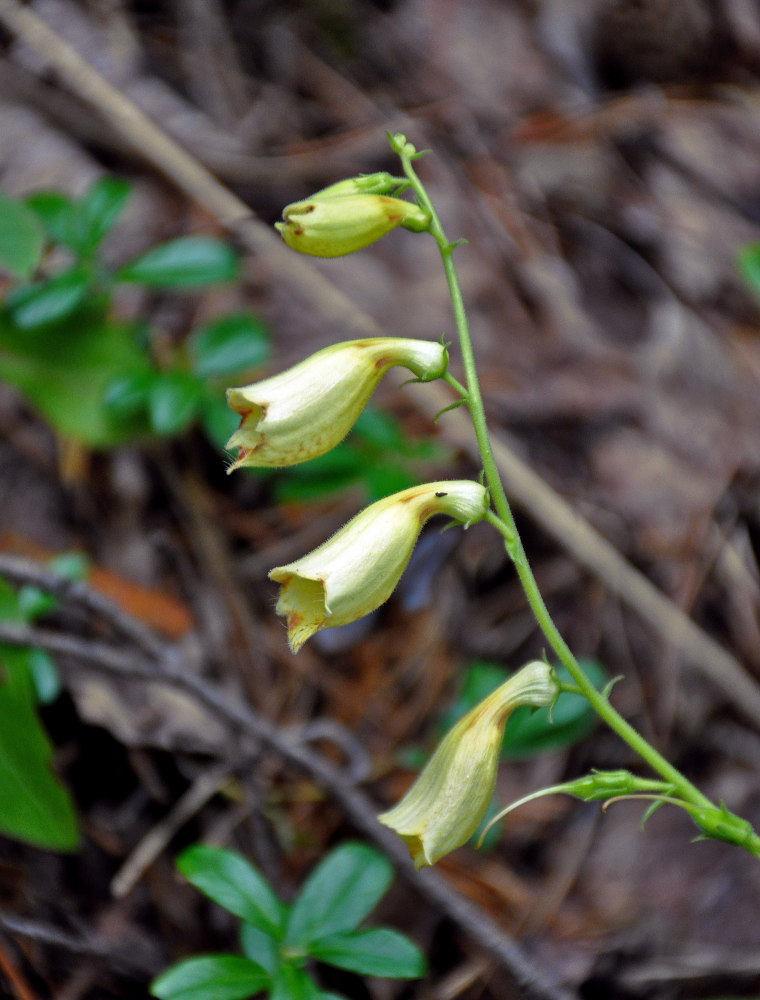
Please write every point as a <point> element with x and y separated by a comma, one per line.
<point>98,210</point>
<point>378,952</point>
<point>339,893</point>
<point>292,983</point>
<point>64,375</point>
<point>44,303</point>
<point>126,397</point>
<point>228,344</point>
<point>174,401</point>
<point>56,212</point>
<point>210,977</point>
<point>34,805</point>
<point>232,882</point>
<point>45,675</point>
<point>21,238</point>
<point>187,262</point>
<point>748,262</point>
<point>260,947</point>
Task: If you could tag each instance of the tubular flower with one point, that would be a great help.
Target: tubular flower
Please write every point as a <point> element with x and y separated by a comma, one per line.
<point>347,216</point>
<point>305,411</point>
<point>356,570</point>
<point>447,802</point>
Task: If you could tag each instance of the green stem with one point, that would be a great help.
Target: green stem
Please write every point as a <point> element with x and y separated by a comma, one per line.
<point>503,519</point>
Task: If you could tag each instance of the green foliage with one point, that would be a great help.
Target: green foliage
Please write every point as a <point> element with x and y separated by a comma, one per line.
<point>89,374</point>
<point>530,731</point>
<point>748,262</point>
<point>34,805</point>
<point>279,940</point>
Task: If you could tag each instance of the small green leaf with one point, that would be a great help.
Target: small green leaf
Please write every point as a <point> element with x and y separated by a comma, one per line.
<point>126,397</point>
<point>21,237</point>
<point>292,983</point>
<point>187,262</point>
<point>98,210</point>
<point>210,977</point>
<point>34,805</point>
<point>748,262</point>
<point>233,883</point>
<point>55,211</point>
<point>260,947</point>
<point>379,952</point>
<point>45,676</point>
<point>65,375</point>
<point>46,302</point>
<point>228,344</point>
<point>341,891</point>
<point>173,402</point>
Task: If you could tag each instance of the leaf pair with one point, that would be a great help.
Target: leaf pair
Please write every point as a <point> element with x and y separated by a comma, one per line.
<point>322,924</point>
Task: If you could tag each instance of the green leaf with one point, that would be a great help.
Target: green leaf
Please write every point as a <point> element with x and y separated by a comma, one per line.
<point>30,307</point>
<point>379,952</point>
<point>56,212</point>
<point>232,882</point>
<point>228,344</point>
<point>64,375</point>
<point>34,805</point>
<point>98,210</point>
<point>125,398</point>
<point>748,262</point>
<point>187,262</point>
<point>210,977</point>
<point>21,237</point>
<point>292,983</point>
<point>45,676</point>
<point>341,891</point>
<point>260,947</point>
<point>173,402</point>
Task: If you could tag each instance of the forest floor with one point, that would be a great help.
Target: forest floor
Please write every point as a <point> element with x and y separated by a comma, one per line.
<point>605,187</point>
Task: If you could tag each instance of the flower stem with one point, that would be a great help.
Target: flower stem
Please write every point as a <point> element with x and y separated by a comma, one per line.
<point>503,520</point>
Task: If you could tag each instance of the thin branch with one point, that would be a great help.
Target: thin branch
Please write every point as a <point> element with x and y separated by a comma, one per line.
<point>355,804</point>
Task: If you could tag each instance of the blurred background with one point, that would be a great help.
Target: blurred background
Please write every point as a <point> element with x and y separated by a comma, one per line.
<point>602,159</point>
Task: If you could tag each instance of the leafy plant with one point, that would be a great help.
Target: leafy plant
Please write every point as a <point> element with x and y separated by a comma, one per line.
<point>278,941</point>
<point>90,374</point>
<point>34,805</point>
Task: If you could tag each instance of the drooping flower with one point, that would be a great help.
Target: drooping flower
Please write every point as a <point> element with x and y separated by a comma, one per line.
<point>451,795</point>
<point>305,411</point>
<point>356,570</point>
<point>347,216</point>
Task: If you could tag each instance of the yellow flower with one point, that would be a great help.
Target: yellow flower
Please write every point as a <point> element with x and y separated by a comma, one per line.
<point>347,216</point>
<point>356,570</point>
<point>305,411</point>
<point>447,802</point>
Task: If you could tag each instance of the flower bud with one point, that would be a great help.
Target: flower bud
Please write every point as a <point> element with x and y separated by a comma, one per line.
<point>305,411</point>
<point>356,570</point>
<point>347,216</point>
<point>451,795</point>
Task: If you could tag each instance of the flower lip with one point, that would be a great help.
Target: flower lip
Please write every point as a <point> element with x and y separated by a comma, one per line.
<point>356,570</point>
<point>308,409</point>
